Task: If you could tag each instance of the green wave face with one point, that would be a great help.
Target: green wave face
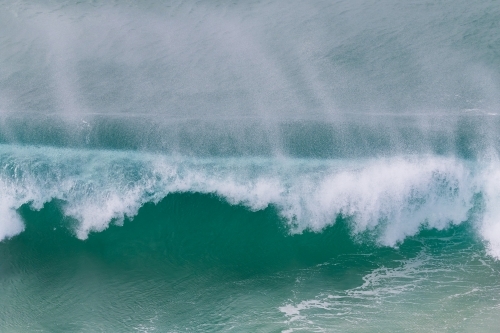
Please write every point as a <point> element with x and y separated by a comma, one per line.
<point>194,253</point>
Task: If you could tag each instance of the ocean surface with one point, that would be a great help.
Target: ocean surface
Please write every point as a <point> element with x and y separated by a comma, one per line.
<point>250,166</point>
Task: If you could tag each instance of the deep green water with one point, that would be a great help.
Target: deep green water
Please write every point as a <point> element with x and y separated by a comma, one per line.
<point>195,263</point>
<point>249,166</point>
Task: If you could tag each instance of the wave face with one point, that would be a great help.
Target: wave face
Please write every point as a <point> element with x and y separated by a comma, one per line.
<point>390,197</point>
<point>249,166</point>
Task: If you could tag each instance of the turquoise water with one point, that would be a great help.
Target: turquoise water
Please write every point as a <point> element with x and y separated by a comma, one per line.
<point>182,166</point>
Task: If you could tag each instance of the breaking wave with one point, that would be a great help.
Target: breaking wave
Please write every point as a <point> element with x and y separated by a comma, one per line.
<point>388,198</point>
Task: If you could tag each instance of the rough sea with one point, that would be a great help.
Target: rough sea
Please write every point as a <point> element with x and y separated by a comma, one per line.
<point>250,166</point>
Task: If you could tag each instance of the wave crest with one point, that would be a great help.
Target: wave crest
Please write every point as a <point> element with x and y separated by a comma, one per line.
<point>390,197</point>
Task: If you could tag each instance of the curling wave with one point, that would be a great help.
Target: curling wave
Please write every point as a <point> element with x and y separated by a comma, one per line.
<point>388,198</point>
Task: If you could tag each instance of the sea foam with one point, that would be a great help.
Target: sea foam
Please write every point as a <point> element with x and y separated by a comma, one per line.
<point>391,198</point>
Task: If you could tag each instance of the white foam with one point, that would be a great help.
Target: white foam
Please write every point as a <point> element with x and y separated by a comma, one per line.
<point>293,311</point>
<point>10,222</point>
<point>391,197</point>
<point>490,226</point>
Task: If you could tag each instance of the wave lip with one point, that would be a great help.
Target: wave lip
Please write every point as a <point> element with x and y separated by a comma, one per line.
<point>391,198</point>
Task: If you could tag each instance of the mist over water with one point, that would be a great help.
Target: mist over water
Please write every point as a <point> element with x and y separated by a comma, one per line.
<point>249,165</point>
<point>250,77</point>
